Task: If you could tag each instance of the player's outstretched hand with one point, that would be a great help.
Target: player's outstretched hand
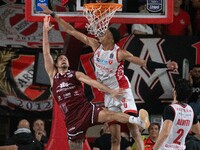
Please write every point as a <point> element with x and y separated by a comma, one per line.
<point>117,92</point>
<point>172,65</point>
<point>46,25</point>
<point>45,9</point>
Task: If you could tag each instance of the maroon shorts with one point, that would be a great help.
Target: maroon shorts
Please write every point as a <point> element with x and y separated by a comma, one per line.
<point>78,123</point>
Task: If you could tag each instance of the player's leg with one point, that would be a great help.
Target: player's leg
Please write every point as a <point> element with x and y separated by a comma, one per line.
<point>128,106</point>
<point>115,136</point>
<point>76,145</point>
<point>136,134</point>
<point>108,116</point>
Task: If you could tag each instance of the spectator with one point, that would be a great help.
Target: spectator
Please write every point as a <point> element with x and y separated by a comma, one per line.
<point>126,133</point>
<point>23,137</point>
<point>149,142</point>
<point>141,28</point>
<point>192,142</point>
<point>194,100</point>
<point>181,24</point>
<point>196,21</point>
<point>104,141</point>
<point>39,132</point>
<point>10,147</point>
<point>122,28</point>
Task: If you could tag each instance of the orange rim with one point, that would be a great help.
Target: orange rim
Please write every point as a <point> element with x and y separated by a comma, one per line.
<point>103,6</point>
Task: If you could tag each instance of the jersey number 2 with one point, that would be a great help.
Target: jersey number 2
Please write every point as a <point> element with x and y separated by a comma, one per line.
<point>180,134</point>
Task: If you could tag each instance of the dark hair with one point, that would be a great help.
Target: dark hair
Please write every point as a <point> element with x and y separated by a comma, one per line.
<point>196,66</point>
<point>154,124</point>
<point>115,33</point>
<point>183,90</point>
<point>55,61</point>
<point>37,120</point>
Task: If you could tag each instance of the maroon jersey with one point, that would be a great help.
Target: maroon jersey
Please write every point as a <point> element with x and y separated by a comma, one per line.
<point>80,114</point>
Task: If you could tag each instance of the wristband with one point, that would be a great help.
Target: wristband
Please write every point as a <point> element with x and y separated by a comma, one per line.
<point>53,14</point>
<point>153,64</point>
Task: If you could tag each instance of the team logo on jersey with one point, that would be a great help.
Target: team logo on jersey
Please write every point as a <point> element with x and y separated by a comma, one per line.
<point>98,53</point>
<point>111,56</point>
<point>64,85</point>
<point>110,61</point>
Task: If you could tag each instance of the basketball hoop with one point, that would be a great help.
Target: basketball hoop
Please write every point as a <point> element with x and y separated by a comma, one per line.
<point>98,16</point>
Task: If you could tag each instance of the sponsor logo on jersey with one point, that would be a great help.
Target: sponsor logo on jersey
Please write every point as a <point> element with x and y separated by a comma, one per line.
<point>98,53</point>
<point>76,93</point>
<point>111,56</point>
<point>63,85</point>
<point>101,61</point>
<point>110,62</point>
<point>67,95</point>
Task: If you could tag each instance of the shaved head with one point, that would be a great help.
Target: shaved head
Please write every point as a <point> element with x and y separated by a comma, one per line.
<point>23,124</point>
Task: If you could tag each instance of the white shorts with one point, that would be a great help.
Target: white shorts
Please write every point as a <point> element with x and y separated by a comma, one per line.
<point>125,103</point>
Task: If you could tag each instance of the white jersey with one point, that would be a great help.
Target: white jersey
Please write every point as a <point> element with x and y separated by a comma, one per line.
<point>181,126</point>
<point>110,72</point>
<point>108,69</point>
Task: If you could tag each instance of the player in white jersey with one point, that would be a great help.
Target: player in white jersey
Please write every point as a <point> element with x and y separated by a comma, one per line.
<point>179,119</point>
<point>110,71</point>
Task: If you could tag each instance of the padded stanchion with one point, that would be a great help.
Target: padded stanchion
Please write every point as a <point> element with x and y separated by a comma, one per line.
<point>58,136</point>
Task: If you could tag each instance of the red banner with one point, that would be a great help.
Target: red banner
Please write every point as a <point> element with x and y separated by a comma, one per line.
<point>16,83</point>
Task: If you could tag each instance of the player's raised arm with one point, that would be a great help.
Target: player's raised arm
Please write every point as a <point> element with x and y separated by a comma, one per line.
<point>70,29</point>
<point>86,79</point>
<point>126,55</point>
<point>48,60</point>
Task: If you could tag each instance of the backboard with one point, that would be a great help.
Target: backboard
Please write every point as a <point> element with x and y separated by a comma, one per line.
<point>155,12</point>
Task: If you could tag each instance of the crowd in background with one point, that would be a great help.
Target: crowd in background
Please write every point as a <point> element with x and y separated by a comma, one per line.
<point>27,137</point>
<point>186,18</point>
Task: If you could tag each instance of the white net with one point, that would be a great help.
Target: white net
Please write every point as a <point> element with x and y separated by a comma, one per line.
<point>99,17</point>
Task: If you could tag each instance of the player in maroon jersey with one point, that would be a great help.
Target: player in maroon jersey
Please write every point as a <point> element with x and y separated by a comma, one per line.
<point>68,92</point>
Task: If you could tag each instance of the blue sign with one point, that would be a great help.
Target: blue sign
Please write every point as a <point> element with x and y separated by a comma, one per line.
<point>38,2</point>
<point>154,5</point>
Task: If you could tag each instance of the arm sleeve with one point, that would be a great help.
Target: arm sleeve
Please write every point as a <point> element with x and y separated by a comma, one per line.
<point>153,64</point>
<point>195,120</point>
<point>168,113</point>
